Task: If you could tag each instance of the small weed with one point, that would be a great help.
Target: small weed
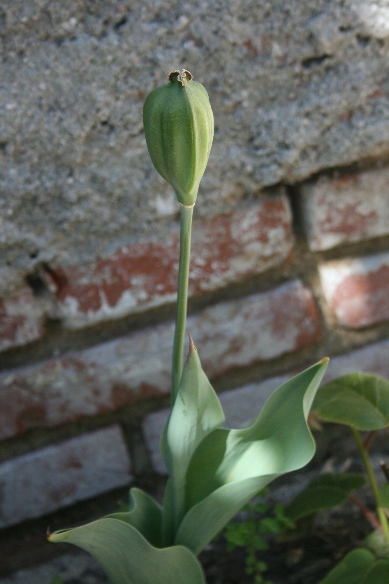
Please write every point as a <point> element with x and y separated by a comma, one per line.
<point>253,533</point>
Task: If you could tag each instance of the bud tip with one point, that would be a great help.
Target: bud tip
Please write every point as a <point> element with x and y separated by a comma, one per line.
<point>192,346</point>
<point>183,76</point>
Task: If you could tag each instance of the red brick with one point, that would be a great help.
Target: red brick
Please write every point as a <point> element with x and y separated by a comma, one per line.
<point>87,383</point>
<point>255,328</point>
<point>352,207</point>
<point>229,335</point>
<point>21,319</point>
<point>226,249</point>
<point>43,481</point>
<point>357,290</point>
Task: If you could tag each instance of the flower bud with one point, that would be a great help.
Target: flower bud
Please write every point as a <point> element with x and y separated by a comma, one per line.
<point>178,122</point>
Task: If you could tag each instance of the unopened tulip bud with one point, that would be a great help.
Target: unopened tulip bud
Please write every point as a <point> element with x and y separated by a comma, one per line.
<point>178,122</point>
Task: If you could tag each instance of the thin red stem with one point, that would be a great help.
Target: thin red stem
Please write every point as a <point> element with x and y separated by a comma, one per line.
<point>370,516</point>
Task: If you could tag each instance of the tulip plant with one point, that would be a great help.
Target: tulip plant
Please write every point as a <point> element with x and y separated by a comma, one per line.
<point>213,471</point>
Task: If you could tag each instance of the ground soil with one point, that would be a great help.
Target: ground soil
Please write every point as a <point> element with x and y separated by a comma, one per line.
<point>303,559</point>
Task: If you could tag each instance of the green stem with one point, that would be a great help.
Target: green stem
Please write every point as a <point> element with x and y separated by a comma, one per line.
<point>186,215</point>
<point>373,484</point>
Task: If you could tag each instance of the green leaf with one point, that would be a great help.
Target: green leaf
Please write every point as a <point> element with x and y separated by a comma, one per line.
<point>323,492</point>
<point>145,515</point>
<point>57,580</point>
<point>195,413</point>
<point>359,400</point>
<point>384,496</point>
<point>359,567</point>
<point>128,558</point>
<point>230,466</point>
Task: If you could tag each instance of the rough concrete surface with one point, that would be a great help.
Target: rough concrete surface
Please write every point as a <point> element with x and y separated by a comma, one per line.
<point>295,87</point>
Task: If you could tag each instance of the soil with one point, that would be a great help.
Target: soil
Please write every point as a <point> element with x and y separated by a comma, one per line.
<point>303,559</point>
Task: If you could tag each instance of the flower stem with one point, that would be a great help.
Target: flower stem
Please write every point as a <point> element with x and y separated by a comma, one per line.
<point>186,215</point>
<point>373,484</point>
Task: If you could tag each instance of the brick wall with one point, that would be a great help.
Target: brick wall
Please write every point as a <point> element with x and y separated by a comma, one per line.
<point>298,273</point>
<point>290,254</point>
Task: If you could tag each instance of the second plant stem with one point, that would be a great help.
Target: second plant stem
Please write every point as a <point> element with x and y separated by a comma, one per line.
<point>186,214</point>
<point>373,484</point>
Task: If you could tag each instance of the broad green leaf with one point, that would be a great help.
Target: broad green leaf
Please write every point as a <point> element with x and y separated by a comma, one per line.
<point>230,466</point>
<point>359,567</point>
<point>145,515</point>
<point>128,558</point>
<point>57,580</point>
<point>323,492</point>
<point>359,400</point>
<point>208,517</point>
<point>195,413</point>
<point>384,496</point>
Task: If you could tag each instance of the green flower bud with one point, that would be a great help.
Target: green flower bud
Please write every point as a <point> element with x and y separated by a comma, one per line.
<point>178,122</point>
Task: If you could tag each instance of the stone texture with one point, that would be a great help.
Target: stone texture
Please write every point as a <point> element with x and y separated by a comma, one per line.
<point>226,249</point>
<point>41,482</point>
<point>296,87</point>
<point>357,290</point>
<point>242,405</point>
<point>103,378</point>
<point>350,207</point>
<point>21,319</point>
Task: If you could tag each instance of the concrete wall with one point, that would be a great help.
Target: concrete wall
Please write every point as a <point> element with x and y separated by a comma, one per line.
<point>291,230</point>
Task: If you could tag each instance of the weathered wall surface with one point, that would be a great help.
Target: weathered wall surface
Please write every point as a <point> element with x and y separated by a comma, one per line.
<point>291,233</point>
<point>296,87</point>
